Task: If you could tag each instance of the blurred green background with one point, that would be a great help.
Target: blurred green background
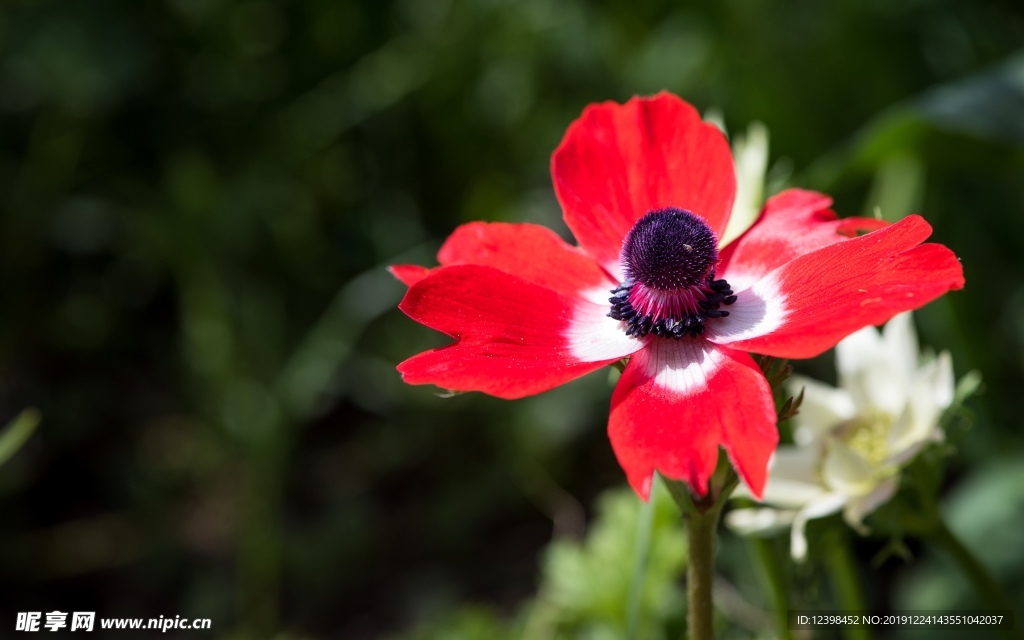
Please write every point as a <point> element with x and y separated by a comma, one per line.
<point>197,202</point>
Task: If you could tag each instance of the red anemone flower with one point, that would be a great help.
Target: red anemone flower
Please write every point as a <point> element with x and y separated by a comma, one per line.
<point>646,188</point>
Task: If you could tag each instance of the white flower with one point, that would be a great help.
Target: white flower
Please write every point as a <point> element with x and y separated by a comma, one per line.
<point>750,157</point>
<point>852,441</point>
<point>750,153</point>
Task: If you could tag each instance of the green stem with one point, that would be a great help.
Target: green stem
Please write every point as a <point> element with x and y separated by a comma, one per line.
<point>17,433</point>
<point>702,515</point>
<point>260,539</point>
<point>842,571</point>
<point>775,576</point>
<point>259,548</point>
<point>980,578</point>
<point>645,525</point>
<point>700,531</point>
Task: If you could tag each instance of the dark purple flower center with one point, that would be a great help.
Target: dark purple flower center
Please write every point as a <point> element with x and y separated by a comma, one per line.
<point>669,259</point>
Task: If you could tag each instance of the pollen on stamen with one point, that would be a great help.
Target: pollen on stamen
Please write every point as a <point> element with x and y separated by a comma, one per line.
<point>669,259</point>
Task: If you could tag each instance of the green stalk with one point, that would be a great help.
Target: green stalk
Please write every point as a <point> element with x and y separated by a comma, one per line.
<point>775,575</point>
<point>645,524</point>
<point>17,433</point>
<point>842,572</point>
<point>984,585</point>
<point>259,543</point>
<point>702,516</point>
<point>700,532</point>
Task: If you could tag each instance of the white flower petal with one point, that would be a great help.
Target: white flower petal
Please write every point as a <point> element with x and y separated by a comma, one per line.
<point>823,408</point>
<point>901,458</point>
<point>846,471</point>
<point>858,508</point>
<point>825,504</point>
<point>764,520</point>
<point>930,394</point>
<point>943,382</point>
<point>867,371</point>
<point>855,351</point>
<point>899,340</point>
<point>793,479</point>
<point>759,310</point>
<point>750,153</point>
<point>593,336</point>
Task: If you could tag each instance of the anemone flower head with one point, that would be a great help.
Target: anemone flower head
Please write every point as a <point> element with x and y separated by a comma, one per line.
<point>852,441</point>
<point>647,188</point>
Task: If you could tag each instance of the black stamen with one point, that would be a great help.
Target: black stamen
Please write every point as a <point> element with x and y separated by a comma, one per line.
<point>670,249</point>
<point>670,252</point>
<point>692,324</point>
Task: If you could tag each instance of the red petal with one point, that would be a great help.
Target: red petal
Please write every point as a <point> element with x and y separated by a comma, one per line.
<point>617,162</point>
<point>513,338</point>
<point>530,251</point>
<point>793,223</point>
<point>808,305</point>
<point>678,401</point>
<point>408,274</point>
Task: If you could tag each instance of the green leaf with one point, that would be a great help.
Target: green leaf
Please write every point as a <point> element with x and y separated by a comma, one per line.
<point>967,387</point>
<point>17,432</point>
<point>590,580</point>
<point>983,105</point>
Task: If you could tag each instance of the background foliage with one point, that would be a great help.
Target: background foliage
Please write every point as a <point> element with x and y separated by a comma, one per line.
<point>197,200</point>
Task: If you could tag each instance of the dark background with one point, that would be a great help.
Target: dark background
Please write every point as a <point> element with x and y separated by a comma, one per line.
<point>197,202</point>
